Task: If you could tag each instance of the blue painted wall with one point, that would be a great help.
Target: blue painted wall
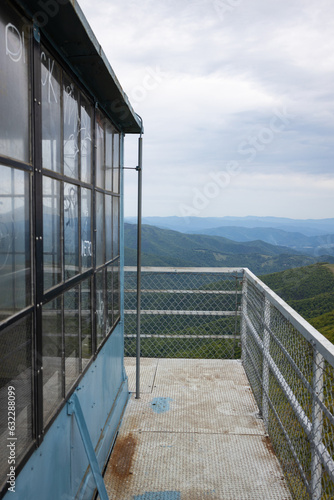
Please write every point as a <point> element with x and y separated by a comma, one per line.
<point>57,469</point>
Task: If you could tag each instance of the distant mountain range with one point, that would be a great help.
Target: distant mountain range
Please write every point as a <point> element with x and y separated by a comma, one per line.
<point>162,247</point>
<point>313,237</point>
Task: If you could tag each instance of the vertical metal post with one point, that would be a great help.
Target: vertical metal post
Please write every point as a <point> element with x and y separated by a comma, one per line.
<point>317,425</point>
<point>140,162</point>
<point>236,315</point>
<point>243,321</point>
<point>265,372</point>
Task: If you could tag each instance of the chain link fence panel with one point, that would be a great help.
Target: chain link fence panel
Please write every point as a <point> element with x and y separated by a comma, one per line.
<point>184,313</point>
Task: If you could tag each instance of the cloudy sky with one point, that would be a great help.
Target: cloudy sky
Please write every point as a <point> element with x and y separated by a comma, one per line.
<point>237,98</point>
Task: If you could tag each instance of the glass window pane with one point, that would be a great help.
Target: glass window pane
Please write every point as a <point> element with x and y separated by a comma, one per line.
<point>108,210</point>
<point>108,162</point>
<point>86,141</point>
<point>51,232</point>
<point>100,307</point>
<point>71,230</point>
<point>99,151</point>
<point>51,112</point>
<point>110,292</point>
<point>16,371</point>
<point>86,322</point>
<point>116,291</point>
<point>100,233</point>
<point>71,129</point>
<point>72,337</point>
<point>52,358</point>
<point>15,258</point>
<point>116,164</point>
<point>115,227</point>
<point>86,228</point>
<point>14,85</point>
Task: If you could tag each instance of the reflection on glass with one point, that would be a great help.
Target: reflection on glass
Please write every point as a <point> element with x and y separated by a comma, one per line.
<point>71,129</point>
<point>52,358</point>
<point>100,307</point>
<point>100,234</point>
<point>51,112</point>
<point>15,265</point>
<point>108,221</point>
<point>86,322</point>
<point>71,230</point>
<point>86,141</point>
<point>108,162</point>
<point>14,86</point>
<point>86,229</point>
<point>16,371</point>
<point>72,337</point>
<point>116,291</point>
<point>115,230</point>
<point>51,232</point>
<point>110,295</point>
<point>116,165</point>
<point>99,151</point>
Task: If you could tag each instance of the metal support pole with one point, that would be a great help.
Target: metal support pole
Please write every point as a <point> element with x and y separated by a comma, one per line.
<point>74,408</point>
<point>140,163</point>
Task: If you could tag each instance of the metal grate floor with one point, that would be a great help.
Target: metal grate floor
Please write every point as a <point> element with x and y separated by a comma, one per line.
<point>194,434</point>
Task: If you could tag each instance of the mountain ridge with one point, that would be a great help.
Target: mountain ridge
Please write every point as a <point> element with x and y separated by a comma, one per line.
<point>161,247</point>
<point>308,227</point>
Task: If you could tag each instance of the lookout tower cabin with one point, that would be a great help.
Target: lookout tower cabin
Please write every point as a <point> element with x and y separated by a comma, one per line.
<point>63,118</point>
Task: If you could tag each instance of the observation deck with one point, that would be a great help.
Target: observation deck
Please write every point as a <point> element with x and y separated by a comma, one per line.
<point>250,416</point>
<point>195,433</point>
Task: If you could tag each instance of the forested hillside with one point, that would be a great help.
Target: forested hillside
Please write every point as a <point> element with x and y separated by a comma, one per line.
<point>310,291</point>
<point>163,247</point>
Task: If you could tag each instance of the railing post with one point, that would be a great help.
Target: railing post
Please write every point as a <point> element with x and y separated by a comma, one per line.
<point>243,321</point>
<point>265,368</point>
<point>236,314</point>
<point>317,424</point>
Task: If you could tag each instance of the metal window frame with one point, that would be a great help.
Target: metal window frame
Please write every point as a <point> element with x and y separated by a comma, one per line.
<point>39,297</point>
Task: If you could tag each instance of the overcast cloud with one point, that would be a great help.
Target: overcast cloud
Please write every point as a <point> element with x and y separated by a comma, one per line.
<point>237,98</point>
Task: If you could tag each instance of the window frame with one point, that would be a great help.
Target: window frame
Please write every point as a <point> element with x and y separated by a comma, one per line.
<point>41,297</point>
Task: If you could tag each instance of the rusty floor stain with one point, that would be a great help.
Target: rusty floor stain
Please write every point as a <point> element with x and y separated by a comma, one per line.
<point>204,442</point>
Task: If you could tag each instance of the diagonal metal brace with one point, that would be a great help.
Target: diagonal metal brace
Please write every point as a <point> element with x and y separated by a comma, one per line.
<point>74,407</point>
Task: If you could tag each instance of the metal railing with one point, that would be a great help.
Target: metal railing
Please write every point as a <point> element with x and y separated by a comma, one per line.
<point>229,313</point>
<point>185,312</point>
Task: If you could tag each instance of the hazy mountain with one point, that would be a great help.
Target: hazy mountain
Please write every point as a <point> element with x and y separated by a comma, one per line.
<point>309,227</point>
<point>161,247</point>
<point>312,245</point>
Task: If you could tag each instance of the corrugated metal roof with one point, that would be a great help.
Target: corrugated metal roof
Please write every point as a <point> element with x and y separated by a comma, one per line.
<point>69,32</point>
